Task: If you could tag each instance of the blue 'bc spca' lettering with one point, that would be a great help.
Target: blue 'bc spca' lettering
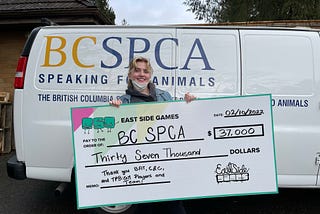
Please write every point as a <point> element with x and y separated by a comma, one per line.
<point>109,42</point>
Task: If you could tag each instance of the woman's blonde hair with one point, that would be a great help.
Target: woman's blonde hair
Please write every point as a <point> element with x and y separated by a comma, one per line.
<point>133,66</point>
<point>135,60</point>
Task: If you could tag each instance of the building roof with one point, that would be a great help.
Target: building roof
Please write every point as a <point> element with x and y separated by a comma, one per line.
<point>36,5</point>
<point>21,12</point>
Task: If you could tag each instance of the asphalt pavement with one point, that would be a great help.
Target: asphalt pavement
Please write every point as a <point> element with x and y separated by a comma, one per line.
<point>32,196</point>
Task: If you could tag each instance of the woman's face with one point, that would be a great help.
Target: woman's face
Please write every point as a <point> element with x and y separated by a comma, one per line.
<point>140,74</point>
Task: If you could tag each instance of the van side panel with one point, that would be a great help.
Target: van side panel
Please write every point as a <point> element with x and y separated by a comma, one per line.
<point>285,64</point>
<point>78,67</point>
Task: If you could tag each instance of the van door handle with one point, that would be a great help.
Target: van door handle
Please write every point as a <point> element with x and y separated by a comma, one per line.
<point>317,159</point>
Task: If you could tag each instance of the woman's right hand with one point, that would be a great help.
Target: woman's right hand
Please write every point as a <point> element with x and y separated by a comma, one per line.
<point>189,97</point>
<point>115,103</point>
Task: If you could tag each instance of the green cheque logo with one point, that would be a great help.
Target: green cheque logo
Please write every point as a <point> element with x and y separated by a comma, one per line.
<point>98,124</point>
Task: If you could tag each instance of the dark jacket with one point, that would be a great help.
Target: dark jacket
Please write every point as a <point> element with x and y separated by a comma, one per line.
<point>161,96</point>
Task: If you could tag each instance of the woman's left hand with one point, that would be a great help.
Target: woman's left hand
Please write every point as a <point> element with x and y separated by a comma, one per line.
<point>189,97</point>
<point>115,103</point>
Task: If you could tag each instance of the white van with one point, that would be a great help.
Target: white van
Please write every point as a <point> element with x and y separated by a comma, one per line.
<point>63,67</point>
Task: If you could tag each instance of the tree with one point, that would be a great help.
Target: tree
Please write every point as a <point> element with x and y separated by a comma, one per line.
<point>105,10</point>
<point>253,10</point>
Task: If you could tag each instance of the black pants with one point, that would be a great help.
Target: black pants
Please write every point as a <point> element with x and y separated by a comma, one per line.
<point>169,207</point>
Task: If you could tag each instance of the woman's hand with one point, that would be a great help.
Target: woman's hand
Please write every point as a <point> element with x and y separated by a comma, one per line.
<point>115,103</point>
<point>189,97</point>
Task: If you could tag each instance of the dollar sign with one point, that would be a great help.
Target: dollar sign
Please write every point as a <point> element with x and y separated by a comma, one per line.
<point>209,133</point>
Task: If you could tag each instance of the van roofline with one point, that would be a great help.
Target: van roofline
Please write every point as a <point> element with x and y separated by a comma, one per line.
<point>187,26</point>
<point>27,47</point>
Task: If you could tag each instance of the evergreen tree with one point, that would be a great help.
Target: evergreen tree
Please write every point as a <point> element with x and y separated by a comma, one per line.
<point>106,10</point>
<point>253,10</point>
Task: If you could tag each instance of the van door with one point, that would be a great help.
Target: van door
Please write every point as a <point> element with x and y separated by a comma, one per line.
<point>208,62</point>
<point>285,64</point>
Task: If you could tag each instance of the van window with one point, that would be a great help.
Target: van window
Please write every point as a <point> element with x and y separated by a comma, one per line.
<point>279,64</point>
<point>212,59</point>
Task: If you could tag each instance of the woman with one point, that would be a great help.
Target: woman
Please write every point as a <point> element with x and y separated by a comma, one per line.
<point>141,89</point>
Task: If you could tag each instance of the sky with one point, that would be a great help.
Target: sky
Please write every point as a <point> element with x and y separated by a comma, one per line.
<point>152,12</point>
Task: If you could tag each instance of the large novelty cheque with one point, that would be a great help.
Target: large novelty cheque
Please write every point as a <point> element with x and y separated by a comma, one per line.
<point>174,150</point>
